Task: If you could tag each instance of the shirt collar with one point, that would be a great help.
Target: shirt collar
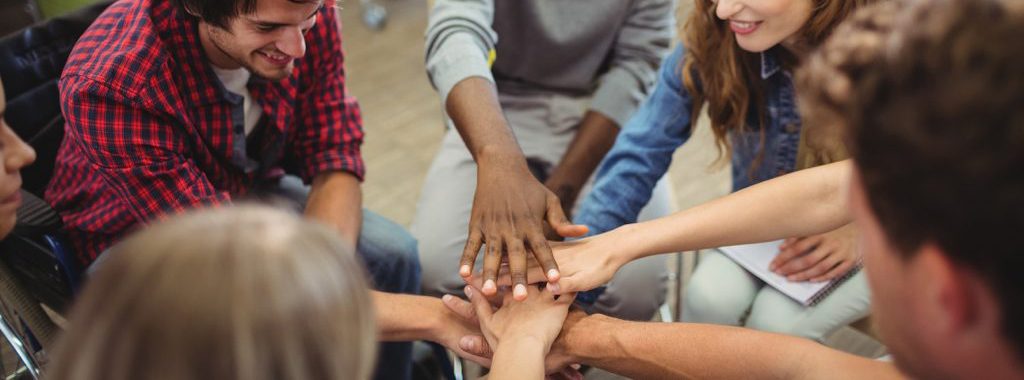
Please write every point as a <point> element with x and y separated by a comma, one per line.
<point>181,33</point>
<point>769,64</point>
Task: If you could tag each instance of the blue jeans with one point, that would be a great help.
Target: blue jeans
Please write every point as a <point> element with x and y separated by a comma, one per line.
<point>390,256</point>
<point>389,253</point>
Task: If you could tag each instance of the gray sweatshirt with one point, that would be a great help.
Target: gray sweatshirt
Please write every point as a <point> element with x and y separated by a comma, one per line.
<point>608,49</point>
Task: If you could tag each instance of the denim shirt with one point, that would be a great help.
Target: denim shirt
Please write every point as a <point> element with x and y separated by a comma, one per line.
<point>643,150</point>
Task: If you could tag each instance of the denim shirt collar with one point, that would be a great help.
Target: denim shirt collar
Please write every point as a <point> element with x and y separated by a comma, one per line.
<point>769,64</point>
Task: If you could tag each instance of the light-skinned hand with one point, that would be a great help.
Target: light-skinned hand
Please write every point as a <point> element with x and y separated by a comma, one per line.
<point>818,258</point>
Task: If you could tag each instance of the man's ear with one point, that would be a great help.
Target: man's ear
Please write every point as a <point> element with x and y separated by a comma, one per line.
<point>958,299</point>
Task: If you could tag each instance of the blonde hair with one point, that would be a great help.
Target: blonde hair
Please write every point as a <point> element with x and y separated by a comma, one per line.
<point>240,292</point>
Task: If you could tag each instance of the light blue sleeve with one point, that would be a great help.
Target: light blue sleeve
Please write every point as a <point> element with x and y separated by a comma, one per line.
<point>642,152</point>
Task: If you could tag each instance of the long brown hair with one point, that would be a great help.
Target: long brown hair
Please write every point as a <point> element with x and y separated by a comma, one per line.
<point>718,72</point>
<point>234,293</point>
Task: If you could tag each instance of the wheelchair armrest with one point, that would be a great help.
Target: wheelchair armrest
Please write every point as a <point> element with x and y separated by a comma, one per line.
<point>35,216</point>
<point>36,255</point>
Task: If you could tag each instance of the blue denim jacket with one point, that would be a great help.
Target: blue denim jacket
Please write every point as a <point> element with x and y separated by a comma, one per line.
<point>643,151</point>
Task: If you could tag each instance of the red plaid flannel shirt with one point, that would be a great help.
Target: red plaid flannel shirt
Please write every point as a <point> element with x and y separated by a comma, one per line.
<point>150,129</point>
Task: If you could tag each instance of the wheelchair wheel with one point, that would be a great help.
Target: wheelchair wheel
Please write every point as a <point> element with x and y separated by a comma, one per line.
<point>25,326</point>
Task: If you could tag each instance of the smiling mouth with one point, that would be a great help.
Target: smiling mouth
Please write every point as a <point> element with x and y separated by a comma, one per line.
<point>277,59</point>
<point>743,27</point>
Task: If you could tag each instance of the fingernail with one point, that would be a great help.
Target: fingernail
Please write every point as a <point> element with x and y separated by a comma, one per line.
<point>551,273</point>
<point>446,297</point>
<point>520,291</point>
<point>467,343</point>
<point>464,270</point>
<point>469,291</point>
<point>489,286</point>
<point>554,288</point>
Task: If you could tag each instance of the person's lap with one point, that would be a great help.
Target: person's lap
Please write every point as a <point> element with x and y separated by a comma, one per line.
<point>722,292</point>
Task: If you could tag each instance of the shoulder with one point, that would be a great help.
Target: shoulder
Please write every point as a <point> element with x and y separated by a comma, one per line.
<point>121,50</point>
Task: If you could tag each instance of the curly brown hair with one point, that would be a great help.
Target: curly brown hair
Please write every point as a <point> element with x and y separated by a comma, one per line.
<point>936,125</point>
<point>718,72</point>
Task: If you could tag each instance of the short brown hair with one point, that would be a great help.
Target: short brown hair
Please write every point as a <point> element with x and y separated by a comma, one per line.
<point>220,12</point>
<point>234,293</point>
<point>937,131</point>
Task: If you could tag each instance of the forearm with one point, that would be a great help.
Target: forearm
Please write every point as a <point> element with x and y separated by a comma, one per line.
<point>804,203</point>
<point>594,137</point>
<point>336,199</point>
<point>474,108</point>
<point>518,358</point>
<point>679,350</point>
<point>402,317</point>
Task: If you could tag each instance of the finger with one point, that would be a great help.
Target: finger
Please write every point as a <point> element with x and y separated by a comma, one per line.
<point>820,268</point>
<point>804,262</point>
<point>542,252</point>
<point>492,263</point>
<point>788,242</point>
<point>517,268</point>
<point>807,243</point>
<point>480,305</point>
<point>839,270</point>
<point>476,345</point>
<point>556,219</point>
<point>469,252</point>
<point>786,255</point>
<point>459,306</point>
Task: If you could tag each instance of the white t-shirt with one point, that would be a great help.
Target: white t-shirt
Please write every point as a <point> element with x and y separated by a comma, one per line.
<point>235,81</point>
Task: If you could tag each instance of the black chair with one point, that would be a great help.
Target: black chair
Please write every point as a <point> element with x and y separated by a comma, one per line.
<point>35,268</point>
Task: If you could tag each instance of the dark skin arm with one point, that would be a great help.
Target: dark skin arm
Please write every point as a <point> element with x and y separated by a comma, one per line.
<point>510,205</point>
<point>594,137</point>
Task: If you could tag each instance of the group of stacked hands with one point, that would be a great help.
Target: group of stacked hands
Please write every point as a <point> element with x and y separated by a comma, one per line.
<point>177,105</point>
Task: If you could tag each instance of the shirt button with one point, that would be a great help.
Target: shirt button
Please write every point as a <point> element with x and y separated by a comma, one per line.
<point>792,128</point>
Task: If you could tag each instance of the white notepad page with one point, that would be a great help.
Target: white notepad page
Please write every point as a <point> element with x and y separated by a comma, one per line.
<point>756,259</point>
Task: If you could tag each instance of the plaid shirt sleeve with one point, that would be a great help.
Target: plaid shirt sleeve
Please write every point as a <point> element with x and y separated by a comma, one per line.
<point>329,131</point>
<point>136,152</point>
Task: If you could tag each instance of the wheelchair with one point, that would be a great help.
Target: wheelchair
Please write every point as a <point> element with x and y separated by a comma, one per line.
<point>38,273</point>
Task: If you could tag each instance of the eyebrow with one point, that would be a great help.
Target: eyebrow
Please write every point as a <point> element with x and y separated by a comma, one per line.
<point>277,24</point>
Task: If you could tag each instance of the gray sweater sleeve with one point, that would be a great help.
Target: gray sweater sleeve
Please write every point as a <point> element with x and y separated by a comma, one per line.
<point>645,39</point>
<point>459,39</point>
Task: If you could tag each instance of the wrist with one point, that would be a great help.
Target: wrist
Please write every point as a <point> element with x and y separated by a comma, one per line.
<point>581,339</point>
<point>629,242</point>
<point>501,157</point>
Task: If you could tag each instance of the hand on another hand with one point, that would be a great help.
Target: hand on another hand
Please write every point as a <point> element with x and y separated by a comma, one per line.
<point>818,257</point>
<point>509,211</point>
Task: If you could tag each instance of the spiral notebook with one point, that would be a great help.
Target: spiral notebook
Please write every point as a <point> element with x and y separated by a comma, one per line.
<point>756,258</point>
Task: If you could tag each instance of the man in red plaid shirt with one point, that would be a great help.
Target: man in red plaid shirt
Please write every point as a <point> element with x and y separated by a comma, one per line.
<point>175,104</point>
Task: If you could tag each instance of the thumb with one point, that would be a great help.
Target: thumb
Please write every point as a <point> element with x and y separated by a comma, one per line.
<point>475,345</point>
<point>460,307</point>
<point>558,221</point>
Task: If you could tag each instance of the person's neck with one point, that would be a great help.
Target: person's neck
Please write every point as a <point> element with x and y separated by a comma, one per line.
<point>796,46</point>
<point>1000,361</point>
<point>218,58</point>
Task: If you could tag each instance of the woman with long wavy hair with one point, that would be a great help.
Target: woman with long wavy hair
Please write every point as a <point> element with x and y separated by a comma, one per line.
<point>736,61</point>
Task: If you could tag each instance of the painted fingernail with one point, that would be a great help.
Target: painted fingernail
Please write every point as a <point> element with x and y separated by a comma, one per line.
<point>552,273</point>
<point>464,270</point>
<point>519,291</point>
<point>469,291</point>
<point>489,287</point>
<point>446,297</point>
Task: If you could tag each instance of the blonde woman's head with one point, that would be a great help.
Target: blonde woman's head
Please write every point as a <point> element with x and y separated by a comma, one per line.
<point>235,293</point>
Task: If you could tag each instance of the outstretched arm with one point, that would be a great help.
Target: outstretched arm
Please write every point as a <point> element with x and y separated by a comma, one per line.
<point>647,350</point>
<point>804,203</point>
